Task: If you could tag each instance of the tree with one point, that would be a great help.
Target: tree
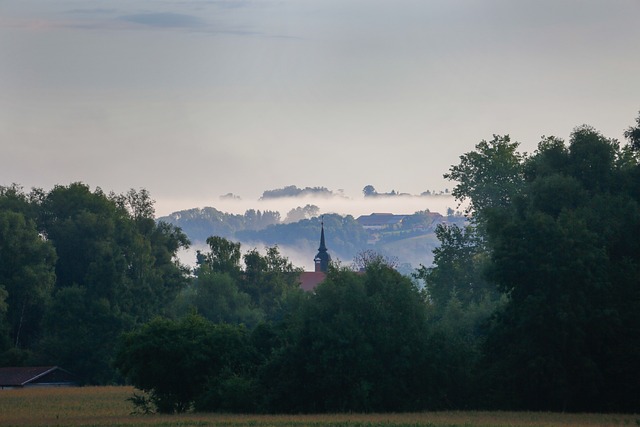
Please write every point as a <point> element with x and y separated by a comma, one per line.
<point>633,134</point>
<point>26,274</point>
<point>561,250</point>
<point>369,191</point>
<point>360,343</point>
<point>555,229</point>
<point>217,297</point>
<point>271,281</point>
<point>4,325</point>
<point>80,334</point>
<point>116,267</point>
<point>224,256</point>
<point>264,289</point>
<point>180,362</point>
<point>458,268</point>
<point>300,213</point>
<point>369,257</point>
<point>139,204</point>
<point>489,177</point>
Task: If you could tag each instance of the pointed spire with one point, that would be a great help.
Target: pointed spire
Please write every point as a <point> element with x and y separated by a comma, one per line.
<point>323,247</point>
<point>323,258</point>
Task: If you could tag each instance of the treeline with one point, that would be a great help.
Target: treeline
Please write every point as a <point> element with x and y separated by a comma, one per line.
<point>534,305</point>
<point>294,191</point>
<point>301,227</point>
<point>361,342</point>
<point>78,268</point>
<point>201,223</point>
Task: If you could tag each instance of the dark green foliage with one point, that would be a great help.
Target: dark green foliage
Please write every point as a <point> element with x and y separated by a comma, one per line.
<point>224,256</point>
<point>558,235</point>
<point>272,282</point>
<point>461,301</point>
<point>179,362</point>
<point>458,268</point>
<point>80,334</point>
<point>218,298</point>
<point>560,247</point>
<point>633,134</point>
<point>489,177</point>
<point>361,343</point>
<point>223,291</point>
<point>4,324</point>
<point>27,276</point>
<point>80,267</point>
<point>119,266</point>
<point>535,305</point>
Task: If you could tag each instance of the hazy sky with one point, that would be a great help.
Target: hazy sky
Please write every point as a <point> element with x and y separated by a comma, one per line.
<point>192,99</point>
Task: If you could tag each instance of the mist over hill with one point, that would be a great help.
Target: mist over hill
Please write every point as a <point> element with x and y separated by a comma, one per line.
<point>293,224</point>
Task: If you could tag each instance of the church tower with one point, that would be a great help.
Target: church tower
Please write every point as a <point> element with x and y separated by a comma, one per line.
<point>323,258</point>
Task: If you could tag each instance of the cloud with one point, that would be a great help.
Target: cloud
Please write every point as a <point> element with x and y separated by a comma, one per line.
<point>165,20</point>
<point>92,11</point>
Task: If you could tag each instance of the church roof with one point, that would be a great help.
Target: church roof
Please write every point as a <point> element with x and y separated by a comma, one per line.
<point>310,279</point>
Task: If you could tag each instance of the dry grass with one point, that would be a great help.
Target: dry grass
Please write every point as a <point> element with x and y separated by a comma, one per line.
<point>107,406</point>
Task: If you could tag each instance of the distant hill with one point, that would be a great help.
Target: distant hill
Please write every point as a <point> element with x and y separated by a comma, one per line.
<point>293,191</point>
<point>410,238</point>
<point>200,223</point>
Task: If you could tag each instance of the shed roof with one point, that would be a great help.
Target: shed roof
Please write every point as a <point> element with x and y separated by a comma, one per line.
<point>21,376</point>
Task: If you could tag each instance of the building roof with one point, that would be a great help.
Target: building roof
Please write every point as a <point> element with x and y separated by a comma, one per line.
<point>310,279</point>
<point>379,219</point>
<point>22,376</point>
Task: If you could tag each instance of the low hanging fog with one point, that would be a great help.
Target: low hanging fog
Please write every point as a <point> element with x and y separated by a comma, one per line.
<point>302,253</point>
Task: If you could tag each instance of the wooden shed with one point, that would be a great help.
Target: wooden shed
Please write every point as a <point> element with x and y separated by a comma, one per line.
<point>41,376</point>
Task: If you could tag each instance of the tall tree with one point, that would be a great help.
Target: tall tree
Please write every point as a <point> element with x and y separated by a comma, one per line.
<point>458,267</point>
<point>272,282</point>
<point>360,343</point>
<point>183,362</point>
<point>490,176</point>
<point>27,275</point>
<point>633,134</point>
<point>560,248</point>
<point>224,256</point>
<point>115,264</point>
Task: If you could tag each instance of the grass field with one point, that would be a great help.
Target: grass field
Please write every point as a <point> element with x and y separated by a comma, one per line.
<point>107,406</point>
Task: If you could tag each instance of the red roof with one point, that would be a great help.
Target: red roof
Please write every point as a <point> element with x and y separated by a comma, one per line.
<point>310,279</point>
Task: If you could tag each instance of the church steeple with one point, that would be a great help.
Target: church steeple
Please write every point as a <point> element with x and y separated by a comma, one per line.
<point>323,258</point>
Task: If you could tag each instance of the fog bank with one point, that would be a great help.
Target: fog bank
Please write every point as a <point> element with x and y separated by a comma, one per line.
<point>337,204</point>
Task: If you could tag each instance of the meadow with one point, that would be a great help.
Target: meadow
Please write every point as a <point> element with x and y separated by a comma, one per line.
<point>108,406</point>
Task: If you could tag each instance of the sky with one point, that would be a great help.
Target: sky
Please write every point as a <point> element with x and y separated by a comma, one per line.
<point>193,99</point>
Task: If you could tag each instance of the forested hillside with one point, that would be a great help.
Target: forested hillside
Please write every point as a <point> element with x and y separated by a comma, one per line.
<point>533,304</point>
<point>410,241</point>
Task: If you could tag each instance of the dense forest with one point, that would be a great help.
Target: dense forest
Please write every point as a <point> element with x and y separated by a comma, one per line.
<point>533,304</point>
